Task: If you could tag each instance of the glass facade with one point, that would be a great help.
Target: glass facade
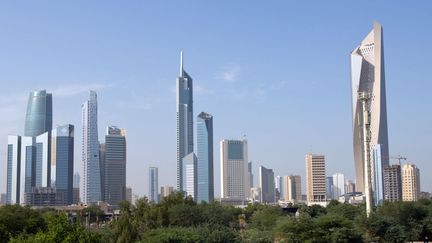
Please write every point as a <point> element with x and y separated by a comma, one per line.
<point>62,164</point>
<point>153,184</point>
<point>267,185</point>
<point>190,175</point>
<point>13,169</point>
<point>205,157</point>
<point>39,114</point>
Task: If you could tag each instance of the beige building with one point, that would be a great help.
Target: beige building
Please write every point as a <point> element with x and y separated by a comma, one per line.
<point>234,169</point>
<point>315,178</point>
<point>410,182</point>
<point>166,191</point>
<point>292,188</point>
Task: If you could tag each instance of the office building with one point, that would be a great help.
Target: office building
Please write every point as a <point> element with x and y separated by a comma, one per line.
<point>350,186</point>
<point>292,188</point>
<point>392,183</point>
<point>267,185</point>
<point>102,170</point>
<point>114,165</point>
<point>153,184</point>
<point>76,180</point>
<point>329,187</point>
<point>76,188</point>
<point>410,182</point>
<point>166,191</point>
<point>62,164</point>
<point>39,114</point>
<point>251,178</point>
<point>205,157</point>
<point>338,185</point>
<point>13,170</point>
<point>315,178</point>
<point>3,199</point>
<point>43,197</point>
<point>42,161</point>
<point>184,120</point>
<point>367,76</point>
<point>128,194</point>
<point>26,176</point>
<point>234,169</point>
<point>190,175</point>
<point>91,189</point>
<point>279,188</point>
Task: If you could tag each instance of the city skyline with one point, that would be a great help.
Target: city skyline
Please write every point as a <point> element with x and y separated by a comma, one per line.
<point>245,83</point>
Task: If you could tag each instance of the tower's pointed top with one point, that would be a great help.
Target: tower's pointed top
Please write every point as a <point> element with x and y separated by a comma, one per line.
<point>181,63</point>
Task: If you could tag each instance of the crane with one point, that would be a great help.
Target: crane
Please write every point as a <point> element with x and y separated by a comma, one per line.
<point>399,158</point>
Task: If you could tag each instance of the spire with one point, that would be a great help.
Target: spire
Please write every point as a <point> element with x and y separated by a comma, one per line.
<point>181,63</point>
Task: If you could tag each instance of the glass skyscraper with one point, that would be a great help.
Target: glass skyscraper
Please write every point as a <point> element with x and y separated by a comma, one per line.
<point>267,185</point>
<point>190,175</point>
<point>91,190</point>
<point>39,114</point>
<point>153,184</point>
<point>62,164</point>
<point>114,165</point>
<point>205,157</point>
<point>184,120</point>
<point>13,170</point>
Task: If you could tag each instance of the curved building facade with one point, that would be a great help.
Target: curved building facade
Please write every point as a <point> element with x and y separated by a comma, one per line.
<point>367,75</point>
<point>39,114</point>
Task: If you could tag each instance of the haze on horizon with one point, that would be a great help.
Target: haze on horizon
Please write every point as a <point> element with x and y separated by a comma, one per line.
<point>276,73</point>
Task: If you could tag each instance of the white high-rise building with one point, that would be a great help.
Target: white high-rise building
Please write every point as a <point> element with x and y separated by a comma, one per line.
<point>338,185</point>
<point>91,189</point>
<point>367,76</point>
<point>234,169</point>
<point>190,182</point>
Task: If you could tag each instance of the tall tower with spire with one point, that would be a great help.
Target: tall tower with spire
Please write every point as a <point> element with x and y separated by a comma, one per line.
<point>184,120</point>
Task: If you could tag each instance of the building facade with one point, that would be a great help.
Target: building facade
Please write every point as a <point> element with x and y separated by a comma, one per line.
<point>392,183</point>
<point>62,163</point>
<point>39,114</point>
<point>367,75</point>
<point>267,185</point>
<point>184,120</point>
<point>205,157</point>
<point>166,191</point>
<point>13,170</point>
<point>329,187</point>
<point>315,178</point>
<point>190,175</point>
<point>292,188</point>
<point>234,169</point>
<point>338,185</point>
<point>114,165</point>
<point>250,172</point>
<point>153,184</point>
<point>91,188</point>
<point>410,182</point>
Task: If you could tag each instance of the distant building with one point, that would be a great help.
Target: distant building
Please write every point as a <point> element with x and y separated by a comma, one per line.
<point>76,195</point>
<point>76,180</point>
<point>329,187</point>
<point>190,175</point>
<point>292,188</point>
<point>153,184</point>
<point>266,182</point>
<point>39,114</point>
<point>114,169</point>
<point>234,170</point>
<point>315,178</point>
<point>129,194</point>
<point>279,188</point>
<point>255,194</point>
<point>3,199</point>
<point>166,191</point>
<point>43,196</point>
<point>338,185</point>
<point>349,186</point>
<point>410,182</point>
<point>205,180</point>
<point>392,183</point>
<point>13,195</point>
<point>250,172</point>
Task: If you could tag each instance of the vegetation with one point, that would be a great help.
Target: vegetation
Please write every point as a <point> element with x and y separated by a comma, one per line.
<point>180,219</point>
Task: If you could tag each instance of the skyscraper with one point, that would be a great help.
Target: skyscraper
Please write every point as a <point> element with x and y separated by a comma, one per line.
<point>329,187</point>
<point>250,172</point>
<point>184,120</point>
<point>190,175</point>
<point>367,75</point>
<point>102,169</point>
<point>42,161</point>
<point>410,182</point>
<point>267,185</point>
<point>205,157</point>
<point>279,187</point>
<point>153,184</point>
<point>62,164</point>
<point>39,114</point>
<point>338,185</point>
<point>292,188</point>
<point>91,189</point>
<point>315,178</point>
<point>234,169</point>
<point>114,165</point>
<point>13,170</point>
<point>392,183</point>
<point>26,175</point>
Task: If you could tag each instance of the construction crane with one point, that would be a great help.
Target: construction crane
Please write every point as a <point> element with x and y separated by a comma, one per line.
<point>399,158</point>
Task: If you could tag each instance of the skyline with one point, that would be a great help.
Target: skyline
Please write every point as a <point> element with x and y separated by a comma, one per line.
<point>246,84</point>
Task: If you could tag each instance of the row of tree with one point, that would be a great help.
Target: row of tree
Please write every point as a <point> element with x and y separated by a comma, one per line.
<point>180,219</point>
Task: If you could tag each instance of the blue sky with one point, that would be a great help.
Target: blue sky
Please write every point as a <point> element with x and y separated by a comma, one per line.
<point>275,71</point>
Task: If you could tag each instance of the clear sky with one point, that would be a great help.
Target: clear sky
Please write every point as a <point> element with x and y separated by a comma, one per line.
<point>275,71</point>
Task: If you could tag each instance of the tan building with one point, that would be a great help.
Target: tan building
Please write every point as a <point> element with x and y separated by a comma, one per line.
<point>166,191</point>
<point>292,188</point>
<point>315,178</point>
<point>349,186</point>
<point>410,182</point>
